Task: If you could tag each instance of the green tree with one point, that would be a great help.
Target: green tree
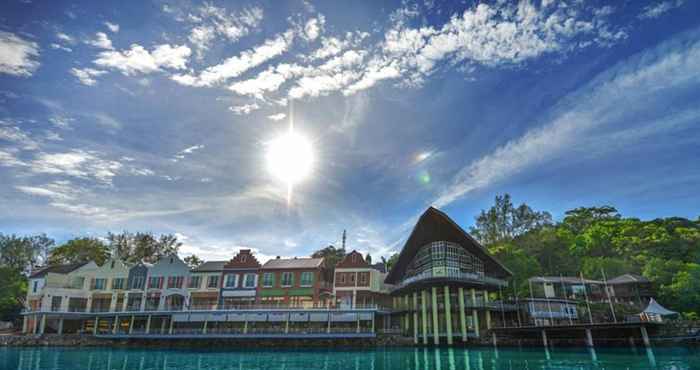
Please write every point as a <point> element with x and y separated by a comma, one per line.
<point>331,255</point>
<point>146,247</point>
<point>192,261</point>
<point>80,250</point>
<point>580,218</point>
<point>13,285</point>
<point>368,258</point>
<point>21,253</point>
<point>391,261</point>
<point>503,221</point>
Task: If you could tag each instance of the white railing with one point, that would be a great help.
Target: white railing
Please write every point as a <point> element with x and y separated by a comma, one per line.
<point>462,276</point>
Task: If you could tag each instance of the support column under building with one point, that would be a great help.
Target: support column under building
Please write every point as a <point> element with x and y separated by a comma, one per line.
<point>148,324</point>
<point>475,314</point>
<point>544,339</point>
<point>424,315</point>
<point>436,322</point>
<point>589,338</point>
<point>116,325</point>
<point>25,325</point>
<point>131,324</point>
<point>487,311</point>
<point>462,315</point>
<point>645,336</point>
<point>97,324</point>
<point>60,326</point>
<point>415,317</point>
<point>448,315</point>
<point>42,324</point>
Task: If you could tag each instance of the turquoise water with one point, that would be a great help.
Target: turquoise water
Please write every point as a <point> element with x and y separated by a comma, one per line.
<point>341,359</point>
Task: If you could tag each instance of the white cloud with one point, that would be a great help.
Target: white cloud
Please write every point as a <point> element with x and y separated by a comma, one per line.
<point>181,154</point>
<point>211,21</point>
<point>112,26</point>
<point>244,109</point>
<point>101,41</point>
<point>57,190</point>
<point>65,38</point>
<point>16,135</point>
<point>604,101</point>
<point>139,60</point>
<point>277,117</point>
<point>60,47</point>
<point>235,66</point>
<point>61,121</point>
<point>9,159</point>
<point>77,163</point>
<point>314,28</point>
<point>656,10</point>
<point>86,76</point>
<point>17,55</point>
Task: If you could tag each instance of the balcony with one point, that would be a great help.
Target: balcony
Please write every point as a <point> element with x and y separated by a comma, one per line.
<point>455,276</point>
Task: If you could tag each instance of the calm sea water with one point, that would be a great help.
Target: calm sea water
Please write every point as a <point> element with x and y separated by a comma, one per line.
<point>341,359</point>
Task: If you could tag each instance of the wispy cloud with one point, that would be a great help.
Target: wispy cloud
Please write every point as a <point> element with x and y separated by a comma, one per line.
<point>112,26</point>
<point>18,56</point>
<point>656,10</point>
<point>591,111</point>
<point>101,41</point>
<point>86,76</point>
<point>138,60</point>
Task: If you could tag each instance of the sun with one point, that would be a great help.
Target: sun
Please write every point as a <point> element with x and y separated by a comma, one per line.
<point>290,158</point>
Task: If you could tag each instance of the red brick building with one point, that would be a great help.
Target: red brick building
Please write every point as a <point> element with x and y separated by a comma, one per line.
<point>295,282</point>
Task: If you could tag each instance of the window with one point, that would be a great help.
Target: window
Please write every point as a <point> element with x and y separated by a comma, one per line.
<point>249,281</point>
<point>307,279</point>
<point>175,282</point>
<point>155,282</point>
<point>268,280</point>
<point>35,287</point>
<point>213,282</point>
<point>112,265</point>
<point>137,282</point>
<point>352,278</point>
<point>56,303</point>
<point>363,278</point>
<point>341,277</point>
<point>99,284</point>
<point>195,281</point>
<point>118,283</point>
<point>231,280</point>
<point>287,279</point>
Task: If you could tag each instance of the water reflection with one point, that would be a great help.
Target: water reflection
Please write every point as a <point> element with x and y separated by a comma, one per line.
<point>341,359</point>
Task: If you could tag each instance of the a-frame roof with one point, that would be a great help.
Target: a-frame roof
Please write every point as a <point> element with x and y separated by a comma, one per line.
<point>434,225</point>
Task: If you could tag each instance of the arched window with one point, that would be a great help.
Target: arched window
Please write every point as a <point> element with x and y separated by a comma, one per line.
<point>442,258</point>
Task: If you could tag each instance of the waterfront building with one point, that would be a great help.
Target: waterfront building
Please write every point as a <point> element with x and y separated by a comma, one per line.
<point>165,287</point>
<point>548,312</point>
<point>631,289</point>
<point>108,286</point>
<point>136,286</point>
<point>444,283</point>
<point>203,285</point>
<point>567,287</point>
<point>295,282</point>
<point>240,280</point>
<point>356,283</point>
<point>50,290</point>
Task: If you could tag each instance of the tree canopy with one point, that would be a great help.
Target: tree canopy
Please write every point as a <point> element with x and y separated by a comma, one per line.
<point>331,254</point>
<point>147,247</point>
<point>80,250</point>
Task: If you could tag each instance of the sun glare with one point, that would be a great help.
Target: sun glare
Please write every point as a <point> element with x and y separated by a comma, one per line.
<point>290,158</point>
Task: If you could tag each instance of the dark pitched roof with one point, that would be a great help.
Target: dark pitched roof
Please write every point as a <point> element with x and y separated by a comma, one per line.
<point>293,263</point>
<point>210,266</point>
<point>628,279</point>
<point>434,225</point>
<point>57,269</point>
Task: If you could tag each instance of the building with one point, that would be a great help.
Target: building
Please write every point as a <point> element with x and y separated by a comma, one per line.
<point>165,287</point>
<point>295,282</point>
<point>240,280</point>
<point>444,282</point>
<point>632,289</point>
<point>567,287</point>
<point>356,283</point>
<point>548,312</point>
<point>136,285</point>
<point>203,285</point>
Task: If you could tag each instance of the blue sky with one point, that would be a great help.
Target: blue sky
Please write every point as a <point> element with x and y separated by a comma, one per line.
<point>156,116</point>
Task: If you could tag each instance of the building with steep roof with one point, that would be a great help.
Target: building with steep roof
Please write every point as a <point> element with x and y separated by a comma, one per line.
<point>356,283</point>
<point>240,280</point>
<point>444,280</point>
<point>203,285</point>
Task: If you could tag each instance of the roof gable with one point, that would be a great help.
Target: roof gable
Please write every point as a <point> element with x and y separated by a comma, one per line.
<point>353,259</point>
<point>57,269</point>
<point>243,260</point>
<point>434,225</point>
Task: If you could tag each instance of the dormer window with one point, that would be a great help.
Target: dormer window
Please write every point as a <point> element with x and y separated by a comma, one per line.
<point>243,258</point>
<point>171,260</point>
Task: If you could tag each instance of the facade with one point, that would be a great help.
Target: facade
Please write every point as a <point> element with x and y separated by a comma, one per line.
<point>548,312</point>
<point>294,282</point>
<point>444,281</point>
<point>166,285</point>
<point>566,287</point>
<point>240,280</point>
<point>108,286</point>
<point>356,283</point>
<point>203,285</point>
<point>632,289</point>
<point>136,285</point>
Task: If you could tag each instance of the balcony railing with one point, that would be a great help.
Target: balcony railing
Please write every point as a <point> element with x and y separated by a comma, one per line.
<point>214,308</point>
<point>460,276</point>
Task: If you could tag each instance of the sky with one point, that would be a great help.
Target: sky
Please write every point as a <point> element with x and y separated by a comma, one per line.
<point>157,116</point>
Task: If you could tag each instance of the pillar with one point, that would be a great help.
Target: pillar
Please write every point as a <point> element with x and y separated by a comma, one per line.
<point>424,315</point>
<point>475,313</point>
<point>116,325</point>
<point>162,325</point>
<point>286,324</point>
<point>35,324</point>
<point>372,327</point>
<point>415,317</point>
<point>25,325</point>
<point>493,338</point>
<point>97,324</point>
<point>42,326</point>
<point>172,324</point>
<point>328,329</point>
<point>354,298</point>
<point>589,338</point>
<point>462,315</point>
<point>544,338</point>
<point>60,325</point>
<point>448,315</point>
<point>358,323</point>
<point>488,311</point>
<point>436,323</point>
<point>148,324</point>
<point>204,328</point>
<point>131,324</point>
<point>645,336</point>
<point>245,327</point>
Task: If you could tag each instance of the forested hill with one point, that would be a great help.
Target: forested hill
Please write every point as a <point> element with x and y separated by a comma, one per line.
<point>595,239</point>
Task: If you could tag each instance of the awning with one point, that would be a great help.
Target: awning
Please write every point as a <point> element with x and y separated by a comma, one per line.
<point>205,295</point>
<point>655,308</point>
